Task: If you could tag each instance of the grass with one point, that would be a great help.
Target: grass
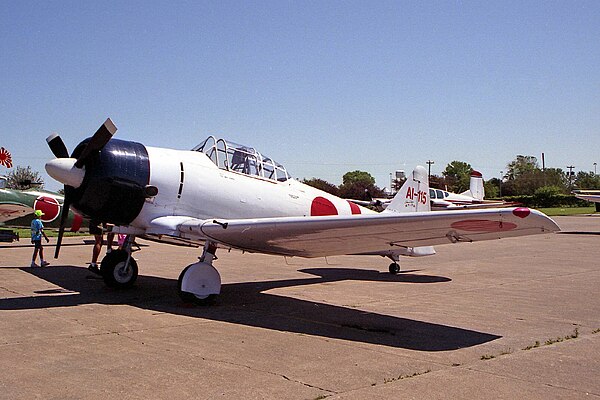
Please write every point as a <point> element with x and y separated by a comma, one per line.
<point>25,233</point>
<point>533,346</point>
<point>491,356</point>
<point>388,380</point>
<point>549,342</point>
<point>560,211</point>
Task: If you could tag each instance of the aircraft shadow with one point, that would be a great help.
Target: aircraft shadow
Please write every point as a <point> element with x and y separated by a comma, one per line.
<point>578,233</point>
<point>248,304</point>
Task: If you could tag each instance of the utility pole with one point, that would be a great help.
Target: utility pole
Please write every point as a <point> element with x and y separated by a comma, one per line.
<point>429,162</point>
<point>501,176</point>
<point>595,168</point>
<point>544,168</point>
<point>570,174</point>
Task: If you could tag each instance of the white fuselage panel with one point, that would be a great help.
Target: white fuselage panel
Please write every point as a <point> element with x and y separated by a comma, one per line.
<point>190,184</point>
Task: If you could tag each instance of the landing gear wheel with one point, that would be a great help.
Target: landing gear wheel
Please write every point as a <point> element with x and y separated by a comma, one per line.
<point>394,268</point>
<point>201,300</point>
<point>114,271</point>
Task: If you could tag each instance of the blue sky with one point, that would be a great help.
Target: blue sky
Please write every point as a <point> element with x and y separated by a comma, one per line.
<point>323,87</point>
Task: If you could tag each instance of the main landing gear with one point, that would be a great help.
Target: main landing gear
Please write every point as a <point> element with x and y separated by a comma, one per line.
<point>395,266</point>
<point>119,270</point>
<point>200,283</point>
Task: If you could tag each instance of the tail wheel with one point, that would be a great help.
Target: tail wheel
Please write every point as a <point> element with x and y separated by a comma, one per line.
<point>116,272</point>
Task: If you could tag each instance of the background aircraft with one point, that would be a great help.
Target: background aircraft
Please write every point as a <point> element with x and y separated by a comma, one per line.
<point>469,199</point>
<point>16,207</point>
<point>232,196</point>
<point>589,195</point>
<point>445,200</point>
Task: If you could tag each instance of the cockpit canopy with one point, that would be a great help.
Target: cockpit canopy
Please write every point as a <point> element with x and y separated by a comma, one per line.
<point>438,194</point>
<point>243,159</point>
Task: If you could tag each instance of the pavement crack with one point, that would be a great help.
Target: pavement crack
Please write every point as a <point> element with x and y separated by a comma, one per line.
<point>12,291</point>
<point>516,378</point>
<point>231,363</point>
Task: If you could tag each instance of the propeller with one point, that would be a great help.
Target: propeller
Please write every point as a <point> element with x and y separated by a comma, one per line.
<point>61,229</point>
<point>68,171</point>
<point>57,146</point>
<point>97,142</point>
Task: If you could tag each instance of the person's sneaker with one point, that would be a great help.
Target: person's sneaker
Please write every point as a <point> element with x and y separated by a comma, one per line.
<point>34,265</point>
<point>94,268</point>
<point>45,263</point>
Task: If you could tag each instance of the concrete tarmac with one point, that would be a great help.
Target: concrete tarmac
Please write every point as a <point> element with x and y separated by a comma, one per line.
<point>514,318</point>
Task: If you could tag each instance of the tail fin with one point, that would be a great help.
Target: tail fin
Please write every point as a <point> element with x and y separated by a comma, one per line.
<point>413,195</point>
<point>476,189</point>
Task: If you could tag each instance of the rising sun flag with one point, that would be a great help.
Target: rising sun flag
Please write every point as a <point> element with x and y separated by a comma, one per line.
<point>5,158</point>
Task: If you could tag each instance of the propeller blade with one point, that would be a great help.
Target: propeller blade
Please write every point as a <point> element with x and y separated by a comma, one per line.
<point>57,146</point>
<point>97,142</point>
<point>61,230</point>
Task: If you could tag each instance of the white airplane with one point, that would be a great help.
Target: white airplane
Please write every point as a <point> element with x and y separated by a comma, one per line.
<point>445,200</point>
<point>228,195</point>
<point>469,199</point>
<point>589,195</point>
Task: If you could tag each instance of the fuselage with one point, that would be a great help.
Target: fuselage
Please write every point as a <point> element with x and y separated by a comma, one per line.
<point>129,184</point>
<point>190,184</point>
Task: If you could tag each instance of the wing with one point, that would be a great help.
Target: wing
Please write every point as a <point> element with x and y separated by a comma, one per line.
<point>594,198</point>
<point>446,205</point>
<point>337,235</point>
<point>10,211</point>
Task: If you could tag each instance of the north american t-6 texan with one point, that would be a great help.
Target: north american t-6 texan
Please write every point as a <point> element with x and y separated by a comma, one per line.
<point>231,196</point>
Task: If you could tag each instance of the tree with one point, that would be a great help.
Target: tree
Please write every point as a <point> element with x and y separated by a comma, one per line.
<point>492,188</point>
<point>547,196</point>
<point>457,176</point>
<point>357,176</point>
<point>587,180</point>
<point>22,178</point>
<point>437,182</point>
<point>520,166</point>
<point>524,177</point>
<point>555,177</point>
<point>359,185</point>
<point>322,185</point>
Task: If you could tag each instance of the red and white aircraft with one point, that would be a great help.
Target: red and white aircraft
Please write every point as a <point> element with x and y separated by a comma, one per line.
<point>229,195</point>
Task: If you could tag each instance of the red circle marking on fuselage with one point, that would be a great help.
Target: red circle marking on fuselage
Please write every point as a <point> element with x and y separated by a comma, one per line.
<point>322,206</point>
<point>354,207</point>
<point>49,206</point>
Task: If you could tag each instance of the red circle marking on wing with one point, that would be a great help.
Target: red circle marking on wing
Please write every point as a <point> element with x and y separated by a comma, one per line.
<point>483,225</point>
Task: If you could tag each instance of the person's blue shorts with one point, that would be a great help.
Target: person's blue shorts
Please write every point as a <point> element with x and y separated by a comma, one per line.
<point>37,243</point>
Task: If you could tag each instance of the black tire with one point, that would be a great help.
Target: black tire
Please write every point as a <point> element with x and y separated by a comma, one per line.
<point>394,268</point>
<point>111,265</point>
<point>597,207</point>
<point>192,298</point>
